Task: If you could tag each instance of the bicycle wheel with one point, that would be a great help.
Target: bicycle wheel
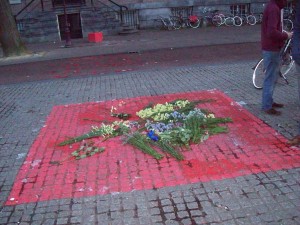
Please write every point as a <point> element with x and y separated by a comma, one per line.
<point>176,23</point>
<point>258,75</point>
<point>287,25</point>
<point>229,21</point>
<point>251,20</point>
<point>194,24</point>
<point>217,20</point>
<point>287,64</point>
<point>222,17</point>
<point>237,21</point>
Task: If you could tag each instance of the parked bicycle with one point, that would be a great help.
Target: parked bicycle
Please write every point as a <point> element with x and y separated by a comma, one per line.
<point>249,19</point>
<point>286,64</point>
<point>192,21</point>
<point>167,23</point>
<point>232,20</point>
<point>258,17</point>
<point>213,17</point>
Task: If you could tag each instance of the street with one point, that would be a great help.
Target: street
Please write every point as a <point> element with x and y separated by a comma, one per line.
<point>249,175</point>
<point>135,61</point>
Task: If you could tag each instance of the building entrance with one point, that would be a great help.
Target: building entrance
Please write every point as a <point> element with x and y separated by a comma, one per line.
<point>74,21</point>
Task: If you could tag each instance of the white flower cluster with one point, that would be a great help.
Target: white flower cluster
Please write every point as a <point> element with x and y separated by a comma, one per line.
<point>196,112</point>
<point>104,129</point>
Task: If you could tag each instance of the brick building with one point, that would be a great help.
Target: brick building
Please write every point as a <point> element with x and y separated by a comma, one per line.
<point>44,20</point>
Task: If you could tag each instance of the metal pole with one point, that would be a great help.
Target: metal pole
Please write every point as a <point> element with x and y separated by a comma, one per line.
<point>42,3</point>
<point>67,28</point>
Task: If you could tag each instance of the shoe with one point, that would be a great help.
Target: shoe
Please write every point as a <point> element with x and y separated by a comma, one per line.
<point>272,112</point>
<point>277,105</point>
<point>294,141</point>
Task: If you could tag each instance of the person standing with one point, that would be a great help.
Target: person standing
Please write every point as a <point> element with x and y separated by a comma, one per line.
<point>272,40</point>
<point>296,57</point>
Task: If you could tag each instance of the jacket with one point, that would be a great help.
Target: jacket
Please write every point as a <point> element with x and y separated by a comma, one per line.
<point>272,37</point>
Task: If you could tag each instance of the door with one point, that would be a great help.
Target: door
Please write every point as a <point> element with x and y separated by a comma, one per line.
<point>74,21</point>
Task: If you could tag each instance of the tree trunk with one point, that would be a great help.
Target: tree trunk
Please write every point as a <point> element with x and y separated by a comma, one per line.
<point>10,39</point>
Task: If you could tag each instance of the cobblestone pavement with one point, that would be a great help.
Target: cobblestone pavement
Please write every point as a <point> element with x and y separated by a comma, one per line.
<point>262,198</point>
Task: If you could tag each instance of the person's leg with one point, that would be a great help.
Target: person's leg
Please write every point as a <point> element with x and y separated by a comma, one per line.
<point>271,64</point>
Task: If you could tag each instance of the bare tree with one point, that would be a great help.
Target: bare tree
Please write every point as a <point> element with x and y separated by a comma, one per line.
<point>10,39</point>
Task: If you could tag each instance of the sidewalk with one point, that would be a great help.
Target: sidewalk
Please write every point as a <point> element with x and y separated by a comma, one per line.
<point>145,40</point>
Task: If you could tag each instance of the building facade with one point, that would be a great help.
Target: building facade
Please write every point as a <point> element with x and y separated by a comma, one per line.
<point>47,20</point>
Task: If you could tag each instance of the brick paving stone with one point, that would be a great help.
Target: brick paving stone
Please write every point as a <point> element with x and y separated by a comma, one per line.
<point>170,216</point>
<point>168,209</point>
<point>61,221</point>
<point>182,214</point>
<point>171,222</point>
<point>186,221</point>
<point>180,207</point>
<point>195,213</point>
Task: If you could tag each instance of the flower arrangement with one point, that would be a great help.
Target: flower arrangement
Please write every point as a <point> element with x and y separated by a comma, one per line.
<point>162,128</point>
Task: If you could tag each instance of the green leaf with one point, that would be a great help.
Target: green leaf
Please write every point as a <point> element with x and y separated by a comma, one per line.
<point>204,137</point>
<point>75,153</point>
<point>83,156</point>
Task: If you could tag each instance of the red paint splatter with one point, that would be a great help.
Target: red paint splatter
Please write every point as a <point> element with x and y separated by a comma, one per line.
<point>250,147</point>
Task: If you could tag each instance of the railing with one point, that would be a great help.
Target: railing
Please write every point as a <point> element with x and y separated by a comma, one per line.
<point>131,18</point>
<point>120,7</point>
<point>22,10</point>
<point>126,16</point>
<point>33,4</point>
<point>182,11</point>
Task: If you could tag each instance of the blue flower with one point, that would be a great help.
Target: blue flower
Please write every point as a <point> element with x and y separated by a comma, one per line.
<point>152,135</point>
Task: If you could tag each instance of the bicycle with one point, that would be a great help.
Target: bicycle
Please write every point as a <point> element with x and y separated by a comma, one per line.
<point>232,20</point>
<point>213,17</point>
<point>286,64</point>
<point>258,17</point>
<point>245,18</point>
<point>249,19</point>
<point>168,23</point>
<point>192,21</point>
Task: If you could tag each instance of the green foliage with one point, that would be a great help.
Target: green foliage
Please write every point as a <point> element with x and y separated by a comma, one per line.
<point>89,135</point>
<point>140,142</point>
<point>169,127</point>
<point>86,150</point>
<point>178,136</point>
<point>194,124</point>
<point>168,148</point>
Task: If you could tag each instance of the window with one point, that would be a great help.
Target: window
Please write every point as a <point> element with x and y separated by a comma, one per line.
<point>182,11</point>
<point>14,2</point>
<point>240,9</point>
<point>68,2</point>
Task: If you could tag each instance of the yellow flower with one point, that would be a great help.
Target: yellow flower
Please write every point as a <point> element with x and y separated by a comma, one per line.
<point>210,115</point>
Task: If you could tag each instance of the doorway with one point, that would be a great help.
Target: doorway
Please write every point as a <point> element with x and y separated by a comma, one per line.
<point>75,26</point>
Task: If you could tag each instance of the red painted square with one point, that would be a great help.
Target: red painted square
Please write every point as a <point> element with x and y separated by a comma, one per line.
<point>250,147</point>
<point>95,37</point>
